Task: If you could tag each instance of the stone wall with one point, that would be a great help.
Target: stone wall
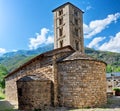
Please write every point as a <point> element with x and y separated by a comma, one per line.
<point>37,67</point>
<point>82,83</point>
<point>34,94</point>
<point>41,66</point>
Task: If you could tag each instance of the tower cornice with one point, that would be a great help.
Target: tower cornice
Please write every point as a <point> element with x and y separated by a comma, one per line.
<point>67,3</point>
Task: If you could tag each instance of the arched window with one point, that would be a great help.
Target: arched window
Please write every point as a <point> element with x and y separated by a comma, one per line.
<point>61,31</point>
<point>60,12</point>
<point>76,21</point>
<point>61,21</point>
<point>76,32</point>
<point>75,12</point>
<point>61,43</point>
<point>77,45</point>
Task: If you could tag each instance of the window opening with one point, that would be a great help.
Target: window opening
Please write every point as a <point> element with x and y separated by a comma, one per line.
<point>61,43</point>
<point>60,12</point>
<point>60,31</point>
<point>75,12</point>
<point>77,45</point>
<point>60,21</point>
<point>76,21</point>
<point>76,32</point>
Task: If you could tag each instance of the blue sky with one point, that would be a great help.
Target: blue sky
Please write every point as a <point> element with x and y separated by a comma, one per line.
<point>28,24</point>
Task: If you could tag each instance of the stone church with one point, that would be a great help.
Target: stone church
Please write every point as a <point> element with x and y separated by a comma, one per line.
<point>65,76</point>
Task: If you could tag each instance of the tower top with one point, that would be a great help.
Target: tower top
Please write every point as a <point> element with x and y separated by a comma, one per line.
<point>67,3</point>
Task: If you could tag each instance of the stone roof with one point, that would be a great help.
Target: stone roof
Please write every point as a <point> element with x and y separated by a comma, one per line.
<point>30,78</point>
<point>67,4</point>
<point>79,56</point>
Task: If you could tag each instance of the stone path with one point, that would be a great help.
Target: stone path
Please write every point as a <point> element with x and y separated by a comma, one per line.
<point>112,105</point>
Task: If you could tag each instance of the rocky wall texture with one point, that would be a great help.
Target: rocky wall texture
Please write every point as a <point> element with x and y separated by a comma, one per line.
<point>34,95</point>
<point>82,83</point>
<point>45,73</point>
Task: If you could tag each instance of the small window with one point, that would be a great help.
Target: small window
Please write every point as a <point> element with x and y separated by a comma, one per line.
<point>77,45</point>
<point>76,32</point>
<point>75,12</point>
<point>61,43</point>
<point>60,31</point>
<point>60,21</point>
<point>76,21</point>
<point>60,12</point>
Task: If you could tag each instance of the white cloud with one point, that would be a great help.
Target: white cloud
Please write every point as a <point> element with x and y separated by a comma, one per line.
<point>41,38</point>
<point>2,50</point>
<point>86,28</point>
<point>95,42</point>
<point>50,40</point>
<point>112,45</point>
<point>97,26</point>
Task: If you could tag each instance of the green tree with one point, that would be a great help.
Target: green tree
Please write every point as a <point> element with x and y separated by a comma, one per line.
<point>3,73</point>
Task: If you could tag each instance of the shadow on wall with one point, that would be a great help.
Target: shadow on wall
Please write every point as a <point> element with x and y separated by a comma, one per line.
<point>6,106</point>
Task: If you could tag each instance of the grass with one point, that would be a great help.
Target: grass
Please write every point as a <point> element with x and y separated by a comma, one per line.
<point>2,96</point>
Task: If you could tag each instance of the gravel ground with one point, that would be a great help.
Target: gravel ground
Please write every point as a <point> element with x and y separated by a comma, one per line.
<point>112,105</point>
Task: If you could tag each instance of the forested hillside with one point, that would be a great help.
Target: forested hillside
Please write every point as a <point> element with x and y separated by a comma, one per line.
<point>3,73</point>
<point>112,59</point>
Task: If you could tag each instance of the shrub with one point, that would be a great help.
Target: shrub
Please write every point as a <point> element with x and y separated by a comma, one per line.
<point>117,89</point>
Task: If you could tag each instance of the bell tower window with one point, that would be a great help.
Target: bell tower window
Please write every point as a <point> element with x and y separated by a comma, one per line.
<point>61,43</point>
<point>77,45</point>
<point>60,21</point>
<point>76,32</point>
<point>60,31</point>
<point>60,12</point>
<point>76,21</point>
<point>75,12</point>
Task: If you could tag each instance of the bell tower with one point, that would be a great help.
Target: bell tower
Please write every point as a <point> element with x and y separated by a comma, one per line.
<point>68,27</point>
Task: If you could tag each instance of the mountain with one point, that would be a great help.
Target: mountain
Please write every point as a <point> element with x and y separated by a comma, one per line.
<point>111,58</point>
<point>12,60</point>
<point>29,52</point>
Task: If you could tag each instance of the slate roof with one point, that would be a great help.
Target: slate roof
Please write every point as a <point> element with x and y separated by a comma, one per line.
<point>31,78</point>
<point>80,56</point>
<point>67,4</point>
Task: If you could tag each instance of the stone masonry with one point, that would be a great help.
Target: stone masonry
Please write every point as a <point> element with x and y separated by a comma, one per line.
<point>34,93</point>
<point>82,82</point>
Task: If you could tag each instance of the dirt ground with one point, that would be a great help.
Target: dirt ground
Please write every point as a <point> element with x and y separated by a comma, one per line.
<point>7,106</point>
<point>112,105</point>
